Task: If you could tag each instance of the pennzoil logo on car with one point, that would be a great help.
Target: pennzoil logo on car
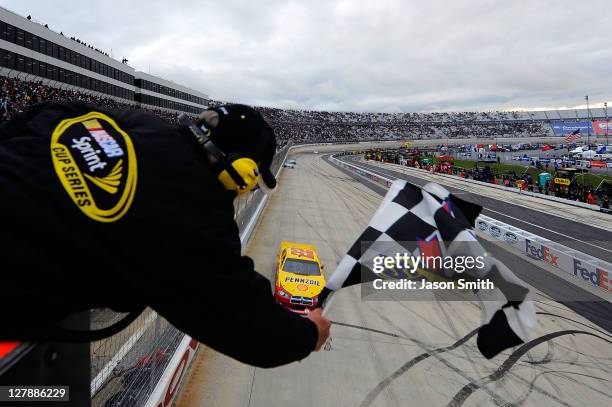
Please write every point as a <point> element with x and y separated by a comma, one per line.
<point>300,280</point>
<point>96,163</point>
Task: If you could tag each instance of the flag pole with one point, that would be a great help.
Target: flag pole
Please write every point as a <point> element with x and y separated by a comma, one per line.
<point>586,97</point>
<point>328,302</point>
<point>607,128</point>
<point>326,306</point>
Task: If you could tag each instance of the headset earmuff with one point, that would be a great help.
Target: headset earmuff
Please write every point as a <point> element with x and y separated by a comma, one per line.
<point>240,174</point>
<point>237,172</point>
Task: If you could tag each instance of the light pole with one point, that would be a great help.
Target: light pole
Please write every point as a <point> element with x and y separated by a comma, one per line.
<point>590,121</point>
<point>607,127</point>
<point>607,123</point>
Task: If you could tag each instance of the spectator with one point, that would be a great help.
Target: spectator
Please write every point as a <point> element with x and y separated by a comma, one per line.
<point>591,199</point>
<point>16,95</point>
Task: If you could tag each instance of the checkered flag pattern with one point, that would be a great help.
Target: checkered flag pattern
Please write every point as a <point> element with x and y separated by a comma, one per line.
<point>410,214</point>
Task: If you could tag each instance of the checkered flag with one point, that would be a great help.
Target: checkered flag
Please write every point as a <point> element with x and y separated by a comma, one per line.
<point>430,220</point>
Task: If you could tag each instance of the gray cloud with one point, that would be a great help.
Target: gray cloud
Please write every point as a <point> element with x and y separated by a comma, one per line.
<point>386,55</point>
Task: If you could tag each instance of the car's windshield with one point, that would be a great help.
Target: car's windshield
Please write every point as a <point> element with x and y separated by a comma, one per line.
<point>302,267</point>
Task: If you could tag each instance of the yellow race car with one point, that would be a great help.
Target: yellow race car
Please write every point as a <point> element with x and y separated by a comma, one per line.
<point>299,277</point>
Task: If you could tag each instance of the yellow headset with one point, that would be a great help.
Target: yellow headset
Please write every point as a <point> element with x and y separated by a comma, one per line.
<point>238,172</point>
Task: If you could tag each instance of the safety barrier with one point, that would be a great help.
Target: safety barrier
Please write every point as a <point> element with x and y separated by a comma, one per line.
<point>585,269</point>
<point>248,207</point>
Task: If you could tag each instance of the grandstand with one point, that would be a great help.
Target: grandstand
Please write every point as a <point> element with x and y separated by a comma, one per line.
<point>156,93</point>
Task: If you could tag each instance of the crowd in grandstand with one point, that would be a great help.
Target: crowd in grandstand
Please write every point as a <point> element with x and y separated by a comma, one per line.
<point>305,126</point>
<point>16,95</point>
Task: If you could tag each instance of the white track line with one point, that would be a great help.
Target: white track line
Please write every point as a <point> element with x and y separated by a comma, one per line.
<point>549,230</point>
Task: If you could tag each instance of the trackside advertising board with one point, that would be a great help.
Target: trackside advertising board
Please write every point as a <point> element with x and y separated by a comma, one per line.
<point>601,126</point>
<point>561,128</point>
<point>583,269</point>
<point>550,253</point>
<point>592,274</point>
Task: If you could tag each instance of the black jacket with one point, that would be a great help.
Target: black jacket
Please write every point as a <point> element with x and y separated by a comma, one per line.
<point>88,221</point>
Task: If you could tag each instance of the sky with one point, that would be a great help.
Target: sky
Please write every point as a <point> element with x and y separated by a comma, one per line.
<point>353,55</point>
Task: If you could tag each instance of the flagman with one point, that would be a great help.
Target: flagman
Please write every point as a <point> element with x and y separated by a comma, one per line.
<point>117,208</point>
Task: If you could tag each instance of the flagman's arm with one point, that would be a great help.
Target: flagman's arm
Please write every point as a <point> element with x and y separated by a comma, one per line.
<point>234,313</point>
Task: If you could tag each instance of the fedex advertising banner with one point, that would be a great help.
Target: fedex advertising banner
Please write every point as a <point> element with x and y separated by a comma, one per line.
<point>579,268</point>
<point>542,252</point>
<point>561,128</point>
<point>601,125</point>
<point>592,274</point>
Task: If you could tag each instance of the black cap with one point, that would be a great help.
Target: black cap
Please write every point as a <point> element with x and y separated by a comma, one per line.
<point>242,129</point>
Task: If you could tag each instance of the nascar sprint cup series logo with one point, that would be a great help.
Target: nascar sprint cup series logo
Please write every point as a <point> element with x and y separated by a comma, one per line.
<point>96,163</point>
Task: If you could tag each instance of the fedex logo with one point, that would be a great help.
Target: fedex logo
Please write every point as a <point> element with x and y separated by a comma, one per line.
<point>543,253</point>
<point>597,277</point>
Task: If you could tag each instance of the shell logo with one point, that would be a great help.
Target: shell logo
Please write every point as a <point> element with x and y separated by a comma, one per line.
<point>302,287</point>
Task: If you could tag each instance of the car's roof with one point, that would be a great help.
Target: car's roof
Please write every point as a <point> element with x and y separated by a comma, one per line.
<point>300,248</point>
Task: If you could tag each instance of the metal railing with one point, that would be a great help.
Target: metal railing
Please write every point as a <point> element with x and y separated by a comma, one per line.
<point>246,205</point>
<point>126,367</point>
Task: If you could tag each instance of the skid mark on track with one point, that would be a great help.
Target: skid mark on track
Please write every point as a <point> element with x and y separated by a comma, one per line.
<point>576,322</point>
<point>369,399</point>
<point>547,358</point>
<point>462,395</point>
<point>496,398</point>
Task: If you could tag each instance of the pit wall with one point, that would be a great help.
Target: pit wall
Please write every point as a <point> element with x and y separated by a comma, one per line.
<point>335,147</point>
<point>510,189</point>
